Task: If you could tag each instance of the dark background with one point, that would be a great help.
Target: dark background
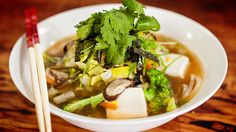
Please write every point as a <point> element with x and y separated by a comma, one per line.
<point>219,16</point>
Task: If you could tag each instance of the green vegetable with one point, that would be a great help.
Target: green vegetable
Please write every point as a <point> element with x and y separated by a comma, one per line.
<point>84,29</point>
<point>128,15</point>
<point>87,66</point>
<point>73,71</point>
<point>116,52</point>
<point>133,6</point>
<point>51,59</point>
<point>80,104</point>
<point>112,30</point>
<point>95,70</point>
<point>148,44</point>
<point>89,27</point>
<point>158,91</point>
<point>101,44</point>
<point>117,21</point>
<point>132,68</point>
<point>115,30</point>
<point>147,23</point>
<point>83,49</point>
<point>171,105</point>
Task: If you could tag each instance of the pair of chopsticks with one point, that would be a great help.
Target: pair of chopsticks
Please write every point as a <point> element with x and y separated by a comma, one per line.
<point>37,71</point>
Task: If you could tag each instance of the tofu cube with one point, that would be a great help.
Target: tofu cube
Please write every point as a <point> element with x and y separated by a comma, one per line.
<point>179,65</point>
<point>131,104</point>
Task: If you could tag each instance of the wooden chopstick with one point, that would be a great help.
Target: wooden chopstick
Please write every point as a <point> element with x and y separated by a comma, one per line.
<point>33,72</point>
<point>37,71</point>
<point>41,71</point>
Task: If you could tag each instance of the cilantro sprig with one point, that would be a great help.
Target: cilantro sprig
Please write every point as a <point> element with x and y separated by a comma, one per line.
<point>112,30</point>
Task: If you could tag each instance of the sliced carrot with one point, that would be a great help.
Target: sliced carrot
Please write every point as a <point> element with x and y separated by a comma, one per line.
<point>50,81</point>
<point>110,105</point>
<point>149,65</point>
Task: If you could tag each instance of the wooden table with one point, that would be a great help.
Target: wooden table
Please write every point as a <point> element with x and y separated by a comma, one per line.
<point>218,113</point>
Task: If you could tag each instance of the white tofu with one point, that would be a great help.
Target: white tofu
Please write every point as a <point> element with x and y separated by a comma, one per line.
<point>131,104</point>
<point>178,67</point>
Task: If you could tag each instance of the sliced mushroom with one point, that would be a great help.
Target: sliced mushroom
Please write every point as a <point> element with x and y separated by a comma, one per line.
<point>60,76</point>
<point>50,78</point>
<point>56,76</point>
<point>64,84</point>
<point>115,88</point>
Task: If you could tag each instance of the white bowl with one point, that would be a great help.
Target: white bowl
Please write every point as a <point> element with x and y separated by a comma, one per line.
<point>197,38</point>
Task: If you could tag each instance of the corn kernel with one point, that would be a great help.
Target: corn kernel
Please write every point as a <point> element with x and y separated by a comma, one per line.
<point>168,59</point>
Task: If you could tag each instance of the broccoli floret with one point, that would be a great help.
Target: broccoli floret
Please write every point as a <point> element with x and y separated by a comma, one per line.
<point>159,93</point>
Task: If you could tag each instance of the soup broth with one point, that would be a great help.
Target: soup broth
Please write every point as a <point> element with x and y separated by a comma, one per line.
<point>82,92</point>
<point>193,68</point>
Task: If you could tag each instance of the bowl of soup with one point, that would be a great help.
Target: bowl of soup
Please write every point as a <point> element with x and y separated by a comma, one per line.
<point>123,76</point>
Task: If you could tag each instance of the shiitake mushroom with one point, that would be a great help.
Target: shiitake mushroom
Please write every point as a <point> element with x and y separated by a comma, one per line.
<point>115,88</point>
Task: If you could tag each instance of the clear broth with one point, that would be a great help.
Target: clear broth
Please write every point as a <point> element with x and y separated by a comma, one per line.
<point>176,83</point>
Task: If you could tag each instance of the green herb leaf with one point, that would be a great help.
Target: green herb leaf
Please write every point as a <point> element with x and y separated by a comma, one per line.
<point>116,52</point>
<point>132,68</point>
<point>84,28</point>
<point>114,24</point>
<point>148,44</point>
<point>108,34</point>
<point>147,23</point>
<point>133,6</point>
<point>111,30</point>
<point>82,48</point>
<point>119,22</point>
<point>115,30</point>
<point>128,15</point>
<point>101,44</point>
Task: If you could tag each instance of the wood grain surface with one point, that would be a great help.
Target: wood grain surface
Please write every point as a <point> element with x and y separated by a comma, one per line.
<point>217,114</point>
